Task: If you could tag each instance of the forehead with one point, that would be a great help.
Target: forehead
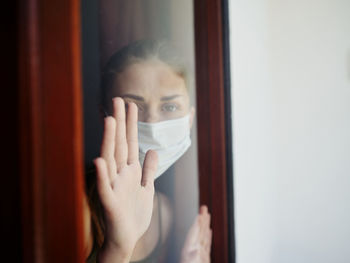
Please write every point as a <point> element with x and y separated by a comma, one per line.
<point>149,78</point>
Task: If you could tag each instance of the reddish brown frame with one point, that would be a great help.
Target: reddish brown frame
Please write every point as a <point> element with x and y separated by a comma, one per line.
<point>51,131</point>
<point>52,156</point>
<point>213,125</point>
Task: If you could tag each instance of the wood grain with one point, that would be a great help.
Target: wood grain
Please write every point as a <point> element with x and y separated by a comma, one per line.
<point>51,131</point>
<point>211,121</point>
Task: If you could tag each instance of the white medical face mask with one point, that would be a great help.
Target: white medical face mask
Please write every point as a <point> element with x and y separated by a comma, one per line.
<point>170,139</point>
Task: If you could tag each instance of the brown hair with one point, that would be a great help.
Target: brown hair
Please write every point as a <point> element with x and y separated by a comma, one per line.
<point>139,51</point>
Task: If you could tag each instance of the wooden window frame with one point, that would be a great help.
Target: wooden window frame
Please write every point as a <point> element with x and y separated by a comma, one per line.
<point>51,131</point>
<point>51,128</point>
<point>214,122</point>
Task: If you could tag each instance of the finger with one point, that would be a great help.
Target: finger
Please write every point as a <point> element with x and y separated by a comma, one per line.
<point>210,237</point>
<point>205,235</point>
<point>108,144</point>
<point>204,224</point>
<point>206,232</point>
<point>206,249</point>
<point>208,217</point>
<point>131,133</point>
<point>149,169</point>
<point>206,246</point>
<point>203,209</point>
<point>121,146</point>
<point>103,185</point>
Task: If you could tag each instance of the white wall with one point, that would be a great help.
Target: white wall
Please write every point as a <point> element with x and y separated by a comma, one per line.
<point>290,63</point>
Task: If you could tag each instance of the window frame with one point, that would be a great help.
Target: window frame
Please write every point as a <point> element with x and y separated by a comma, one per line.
<point>50,97</point>
<point>214,123</point>
<point>50,132</point>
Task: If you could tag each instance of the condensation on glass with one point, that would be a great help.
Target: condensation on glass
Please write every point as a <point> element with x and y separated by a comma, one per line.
<point>110,25</point>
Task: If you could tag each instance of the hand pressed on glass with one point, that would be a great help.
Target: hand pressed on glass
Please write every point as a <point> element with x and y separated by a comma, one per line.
<point>198,242</point>
<point>126,191</point>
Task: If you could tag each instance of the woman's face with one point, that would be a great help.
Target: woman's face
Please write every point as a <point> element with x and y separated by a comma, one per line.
<point>157,90</point>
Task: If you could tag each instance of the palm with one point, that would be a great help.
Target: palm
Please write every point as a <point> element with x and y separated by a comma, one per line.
<point>126,190</point>
<point>131,208</point>
<point>198,241</point>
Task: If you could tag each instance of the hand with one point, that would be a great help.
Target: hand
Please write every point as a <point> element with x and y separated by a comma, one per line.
<point>126,191</point>
<point>198,242</point>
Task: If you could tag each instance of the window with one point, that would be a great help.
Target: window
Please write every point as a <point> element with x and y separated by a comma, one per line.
<point>53,164</point>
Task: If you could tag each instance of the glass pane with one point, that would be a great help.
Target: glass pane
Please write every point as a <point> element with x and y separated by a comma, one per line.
<point>290,71</point>
<point>143,51</point>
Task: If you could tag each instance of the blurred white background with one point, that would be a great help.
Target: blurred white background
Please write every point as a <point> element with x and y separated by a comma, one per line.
<point>290,70</point>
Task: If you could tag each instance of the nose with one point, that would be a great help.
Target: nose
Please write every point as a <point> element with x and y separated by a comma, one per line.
<point>152,116</point>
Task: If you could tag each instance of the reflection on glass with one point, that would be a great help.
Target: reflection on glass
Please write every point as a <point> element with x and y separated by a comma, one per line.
<point>152,74</point>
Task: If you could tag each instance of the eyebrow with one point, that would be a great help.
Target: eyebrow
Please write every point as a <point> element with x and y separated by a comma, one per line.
<point>166,98</point>
<point>135,97</point>
<point>139,98</point>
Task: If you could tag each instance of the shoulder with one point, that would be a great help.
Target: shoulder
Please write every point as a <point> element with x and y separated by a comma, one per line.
<point>166,215</point>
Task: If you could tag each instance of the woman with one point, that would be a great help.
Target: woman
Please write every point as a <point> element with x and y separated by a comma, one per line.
<point>128,224</point>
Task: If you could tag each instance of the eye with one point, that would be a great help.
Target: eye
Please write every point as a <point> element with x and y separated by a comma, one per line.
<point>169,107</point>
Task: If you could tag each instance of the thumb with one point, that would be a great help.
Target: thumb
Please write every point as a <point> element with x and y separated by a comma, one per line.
<point>149,169</point>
